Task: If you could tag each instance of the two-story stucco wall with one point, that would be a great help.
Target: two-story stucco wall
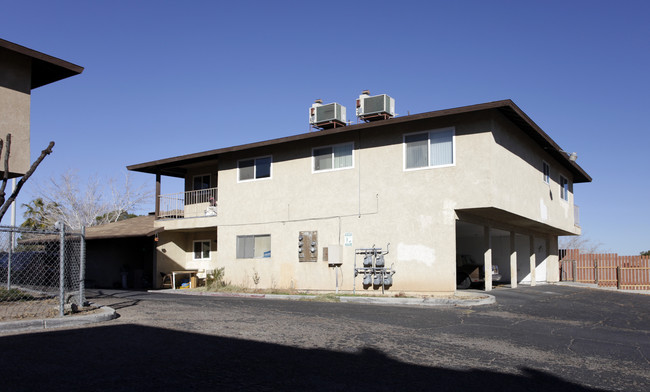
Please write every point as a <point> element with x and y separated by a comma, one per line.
<point>376,201</point>
<point>495,183</point>
<point>15,88</point>
<point>518,183</point>
<point>519,187</point>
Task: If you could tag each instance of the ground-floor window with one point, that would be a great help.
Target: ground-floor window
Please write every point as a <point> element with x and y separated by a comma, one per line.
<point>202,250</point>
<point>253,246</point>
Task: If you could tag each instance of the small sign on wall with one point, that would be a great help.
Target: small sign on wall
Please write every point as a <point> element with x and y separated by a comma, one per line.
<point>348,239</point>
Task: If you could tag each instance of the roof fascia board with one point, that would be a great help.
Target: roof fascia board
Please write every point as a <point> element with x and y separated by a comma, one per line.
<point>63,69</point>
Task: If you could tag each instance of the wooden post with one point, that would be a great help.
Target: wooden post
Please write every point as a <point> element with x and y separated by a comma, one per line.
<point>575,270</point>
<point>157,213</point>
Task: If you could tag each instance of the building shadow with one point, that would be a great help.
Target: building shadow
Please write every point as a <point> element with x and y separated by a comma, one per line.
<point>141,358</point>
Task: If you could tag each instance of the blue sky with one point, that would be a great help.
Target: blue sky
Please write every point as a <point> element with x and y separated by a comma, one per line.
<point>229,73</point>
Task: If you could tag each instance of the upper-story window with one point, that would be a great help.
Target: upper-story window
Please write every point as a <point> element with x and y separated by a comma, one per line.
<point>546,172</point>
<point>201,182</point>
<point>254,169</point>
<point>334,157</point>
<point>433,148</point>
<point>202,191</point>
<point>564,188</point>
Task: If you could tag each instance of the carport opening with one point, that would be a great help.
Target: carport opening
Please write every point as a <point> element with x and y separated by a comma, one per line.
<point>471,245</point>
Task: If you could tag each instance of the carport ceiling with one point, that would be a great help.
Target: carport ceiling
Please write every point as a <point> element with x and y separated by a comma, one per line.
<point>473,230</point>
<point>505,220</point>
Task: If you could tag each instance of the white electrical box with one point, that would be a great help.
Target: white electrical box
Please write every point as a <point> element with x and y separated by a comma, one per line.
<point>333,255</point>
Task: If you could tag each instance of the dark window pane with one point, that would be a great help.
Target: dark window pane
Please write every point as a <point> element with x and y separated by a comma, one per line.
<point>263,167</point>
<point>323,158</point>
<point>246,169</point>
<point>197,250</point>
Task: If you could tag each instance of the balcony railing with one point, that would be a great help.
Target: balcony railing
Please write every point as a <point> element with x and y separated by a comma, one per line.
<point>188,204</point>
<point>576,215</point>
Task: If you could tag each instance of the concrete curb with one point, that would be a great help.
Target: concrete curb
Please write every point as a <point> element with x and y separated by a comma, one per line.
<point>595,286</point>
<point>465,300</point>
<point>104,314</point>
<point>484,299</point>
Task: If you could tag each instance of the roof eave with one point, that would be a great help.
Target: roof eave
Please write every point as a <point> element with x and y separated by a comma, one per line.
<point>46,69</point>
<point>544,140</point>
<point>151,233</point>
<point>507,107</point>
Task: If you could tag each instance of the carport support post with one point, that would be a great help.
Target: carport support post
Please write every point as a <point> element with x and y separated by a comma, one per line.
<point>552,260</point>
<point>513,260</point>
<point>487,257</point>
<point>533,262</point>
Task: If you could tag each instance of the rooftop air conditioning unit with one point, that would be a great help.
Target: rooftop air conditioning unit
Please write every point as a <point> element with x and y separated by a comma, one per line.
<point>327,116</point>
<point>378,107</point>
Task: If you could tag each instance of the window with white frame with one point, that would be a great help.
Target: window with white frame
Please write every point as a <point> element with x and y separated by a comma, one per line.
<point>253,246</point>
<point>254,169</point>
<point>202,250</point>
<point>564,188</point>
<point>334,157</point>
<point>433,148</point>
<point>546,172</point>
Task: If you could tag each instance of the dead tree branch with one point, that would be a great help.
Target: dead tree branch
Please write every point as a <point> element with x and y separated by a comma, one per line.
<point>23,179</point>
<point>5,177</point>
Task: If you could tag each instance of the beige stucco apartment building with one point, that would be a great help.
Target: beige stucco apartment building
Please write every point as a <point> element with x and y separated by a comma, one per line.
<point>22,70</point>
<point>482,182</point>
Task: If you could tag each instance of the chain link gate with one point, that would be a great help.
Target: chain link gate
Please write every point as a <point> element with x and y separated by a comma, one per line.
<point>41,273</point>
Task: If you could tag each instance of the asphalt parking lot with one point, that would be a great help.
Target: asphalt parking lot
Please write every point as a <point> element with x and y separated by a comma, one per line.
<point>550,338</point>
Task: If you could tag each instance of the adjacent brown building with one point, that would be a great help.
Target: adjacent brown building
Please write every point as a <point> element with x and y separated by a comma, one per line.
<point>22,70</point>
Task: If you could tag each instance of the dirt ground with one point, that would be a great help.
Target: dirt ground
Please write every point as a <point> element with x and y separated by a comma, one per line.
<point>38,309</point>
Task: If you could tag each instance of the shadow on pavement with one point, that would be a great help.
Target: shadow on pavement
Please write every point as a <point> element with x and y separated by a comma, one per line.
<point>122,300</point>
<point>139,358</point>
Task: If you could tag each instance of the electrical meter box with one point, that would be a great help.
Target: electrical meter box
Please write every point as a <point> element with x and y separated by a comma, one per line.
<point>308,246</point>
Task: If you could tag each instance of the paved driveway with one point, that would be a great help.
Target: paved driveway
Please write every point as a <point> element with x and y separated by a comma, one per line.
<point>544,338</point>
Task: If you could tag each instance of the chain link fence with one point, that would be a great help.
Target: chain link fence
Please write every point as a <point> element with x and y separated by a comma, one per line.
<point>41,273</point>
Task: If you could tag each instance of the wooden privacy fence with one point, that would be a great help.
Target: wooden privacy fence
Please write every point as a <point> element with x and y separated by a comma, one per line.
<point>605,269</point>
